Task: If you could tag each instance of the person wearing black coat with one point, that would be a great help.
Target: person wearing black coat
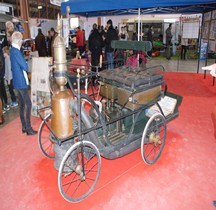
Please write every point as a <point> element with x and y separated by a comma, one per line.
<point>150,39</point>
<point>111,35</point>
<point>49,40</point>
<point>168,41</point>
<point>95,43</point>
<point>40,44</point>
<point>102,32</point>
<point>3,93</point>
<point>2,71</point>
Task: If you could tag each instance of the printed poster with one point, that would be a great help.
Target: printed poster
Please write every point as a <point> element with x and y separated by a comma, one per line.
<point>40,92</point>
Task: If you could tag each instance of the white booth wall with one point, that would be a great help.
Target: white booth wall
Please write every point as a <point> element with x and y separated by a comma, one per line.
<point>117,20</point>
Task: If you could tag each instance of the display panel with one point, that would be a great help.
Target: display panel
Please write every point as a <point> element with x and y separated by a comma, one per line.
<point>190,30</point>
<point>74,22</point>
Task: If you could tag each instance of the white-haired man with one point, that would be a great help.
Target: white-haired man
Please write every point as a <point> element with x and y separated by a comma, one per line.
<point>9,29</point>
<point>9,26</point>
<point>20,81</point>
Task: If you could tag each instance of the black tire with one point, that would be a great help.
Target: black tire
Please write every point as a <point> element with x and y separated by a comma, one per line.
<point>45,144</point>
<point>153,138</point>
<point>74,184</point>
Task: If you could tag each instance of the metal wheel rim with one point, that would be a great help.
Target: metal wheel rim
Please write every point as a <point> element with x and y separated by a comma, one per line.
<point>144,137</point>
<point>61,168</point>
<point>47,145</point>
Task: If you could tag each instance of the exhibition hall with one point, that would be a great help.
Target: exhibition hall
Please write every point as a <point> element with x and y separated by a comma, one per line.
<point>107,104</point>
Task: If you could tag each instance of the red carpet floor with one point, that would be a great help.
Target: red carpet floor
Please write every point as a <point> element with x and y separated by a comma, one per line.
<point>183,178</point>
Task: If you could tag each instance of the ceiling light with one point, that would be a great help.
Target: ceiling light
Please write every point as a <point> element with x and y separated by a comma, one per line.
<point>170,20</point>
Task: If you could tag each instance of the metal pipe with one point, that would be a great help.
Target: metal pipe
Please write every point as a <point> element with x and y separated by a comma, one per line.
<point>200,41</point>
<point>139,24</point>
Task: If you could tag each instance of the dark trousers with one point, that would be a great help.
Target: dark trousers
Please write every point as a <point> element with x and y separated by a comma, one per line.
<point>3,93</point>
<point>168,52</point>
<point>95,59</point>
<point>11,90</point>
<point>183,52</point>
<point>24,102</point>
<point>80,50</point>
<point>149,53</point>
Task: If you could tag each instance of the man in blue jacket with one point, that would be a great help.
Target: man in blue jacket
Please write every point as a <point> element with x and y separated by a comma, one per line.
<point>20,81</point>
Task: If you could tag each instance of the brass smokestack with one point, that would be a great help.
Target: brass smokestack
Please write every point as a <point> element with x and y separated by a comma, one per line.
<point>61,121</point>
<point>60,56</point>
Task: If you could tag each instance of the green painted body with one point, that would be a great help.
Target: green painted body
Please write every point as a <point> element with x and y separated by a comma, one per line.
<point>126,124</point>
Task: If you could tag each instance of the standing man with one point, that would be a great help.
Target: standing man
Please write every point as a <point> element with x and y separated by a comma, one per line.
<point>53,35</point>
<point>40,44</point>
<point>79,39</point>
<point>49,40</point>
<point>184,46</point>
<point>3,93</point>
<point>168,41</point>
<point>9,77</point>
<point>111,35</point>
<point>123,35</point>
<point>102,32</point>
<point>9,29</point>
<point>20,82</point>
<point>134,36</point>
<point>9,26</point>
<point>150,39</point>
<point>2,71</point>
<point>95,42</point>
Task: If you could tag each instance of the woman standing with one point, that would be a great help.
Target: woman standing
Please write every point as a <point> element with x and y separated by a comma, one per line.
<point>20,81</point>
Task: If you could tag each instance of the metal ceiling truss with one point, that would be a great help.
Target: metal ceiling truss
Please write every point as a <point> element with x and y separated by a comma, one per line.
<point>33,8</point>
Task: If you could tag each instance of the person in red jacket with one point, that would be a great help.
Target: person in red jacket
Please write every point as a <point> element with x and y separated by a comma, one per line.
<point>79,40</point>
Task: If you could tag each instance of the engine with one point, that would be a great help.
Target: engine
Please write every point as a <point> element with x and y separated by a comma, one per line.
<point>131,87</point>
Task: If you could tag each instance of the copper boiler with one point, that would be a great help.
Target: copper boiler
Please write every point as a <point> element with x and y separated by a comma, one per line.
<point>61,121</point>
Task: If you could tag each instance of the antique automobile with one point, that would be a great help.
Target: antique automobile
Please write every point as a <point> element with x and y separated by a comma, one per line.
<point>131,112</point>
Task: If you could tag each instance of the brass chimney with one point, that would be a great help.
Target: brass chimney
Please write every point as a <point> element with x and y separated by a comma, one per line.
<point>61,121</point>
